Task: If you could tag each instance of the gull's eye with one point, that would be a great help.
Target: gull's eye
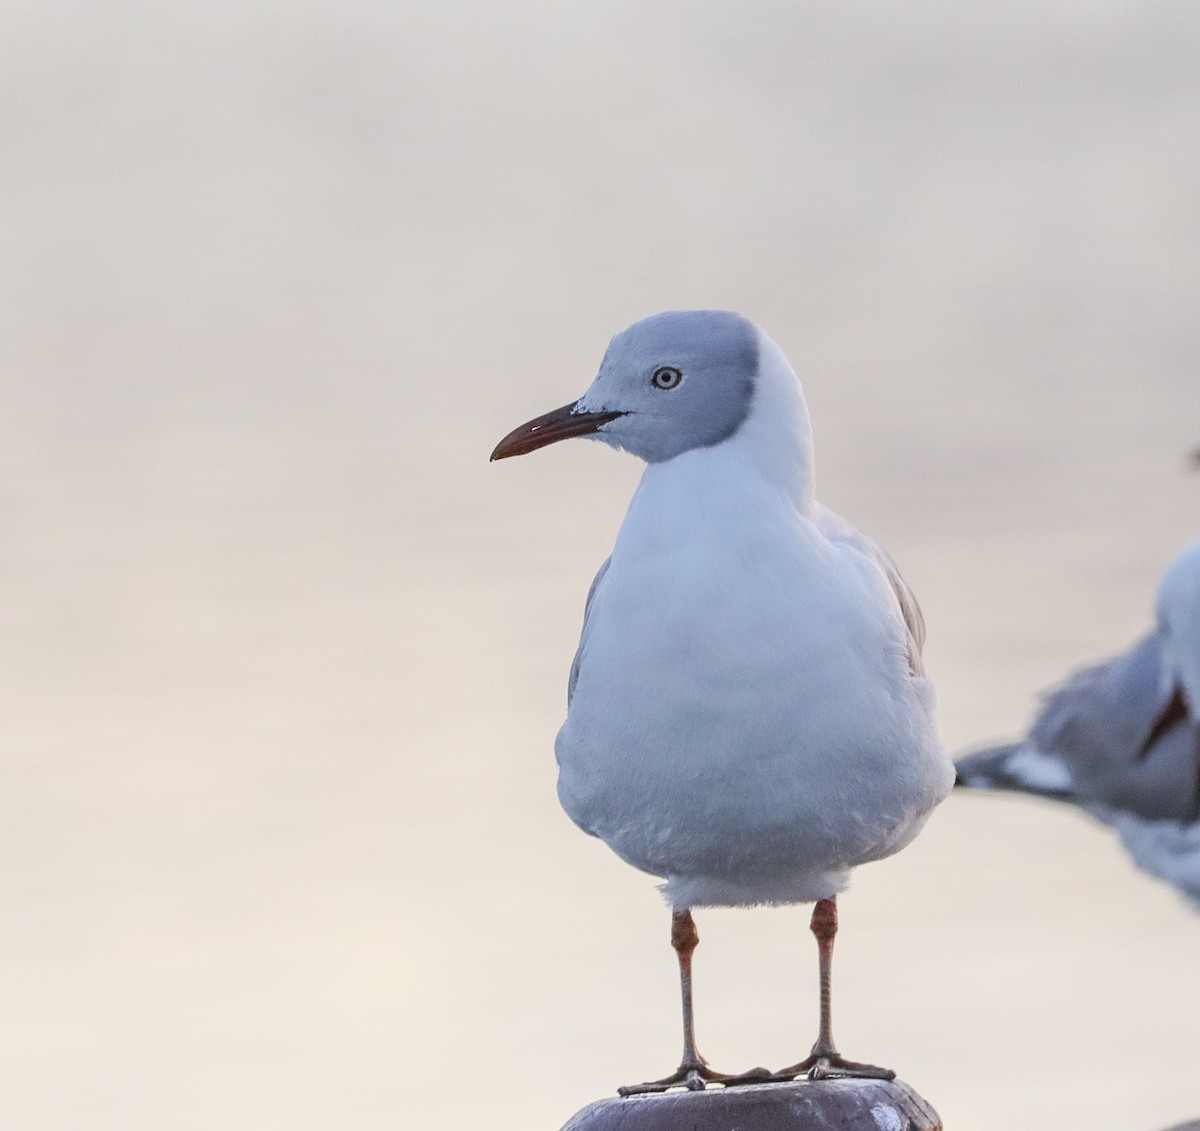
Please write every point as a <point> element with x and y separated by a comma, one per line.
<point>666,377</point>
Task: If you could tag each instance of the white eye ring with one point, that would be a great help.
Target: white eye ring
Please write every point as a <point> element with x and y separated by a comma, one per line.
<point>666,377</point>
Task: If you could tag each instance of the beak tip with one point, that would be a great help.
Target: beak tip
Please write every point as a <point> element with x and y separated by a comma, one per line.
<point>553,426</point>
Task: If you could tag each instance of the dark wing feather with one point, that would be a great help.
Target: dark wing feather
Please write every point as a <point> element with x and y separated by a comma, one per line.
<point>573,678</point>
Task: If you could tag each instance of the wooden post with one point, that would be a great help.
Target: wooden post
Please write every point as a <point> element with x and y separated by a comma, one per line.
<point>803,1105</point>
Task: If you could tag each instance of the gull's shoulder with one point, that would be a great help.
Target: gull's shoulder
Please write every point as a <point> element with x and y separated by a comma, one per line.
<point>845,534</point>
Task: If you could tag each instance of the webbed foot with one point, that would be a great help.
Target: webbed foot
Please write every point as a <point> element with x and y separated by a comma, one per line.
<point>828,1065</point>
<point>695,1077</point>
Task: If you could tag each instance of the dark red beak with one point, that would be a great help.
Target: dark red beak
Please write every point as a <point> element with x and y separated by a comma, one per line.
<point>560,424</point>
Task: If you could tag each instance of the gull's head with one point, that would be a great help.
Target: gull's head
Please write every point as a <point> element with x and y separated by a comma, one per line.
<point>673,382</point>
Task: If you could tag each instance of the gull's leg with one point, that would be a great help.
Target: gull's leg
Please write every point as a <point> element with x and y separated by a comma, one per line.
<point>684,938</point>
<point>693,1071</point>
<point>825,1060</point>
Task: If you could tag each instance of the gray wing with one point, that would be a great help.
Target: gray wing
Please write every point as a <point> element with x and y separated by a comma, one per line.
<point>573,678</point>
<point>1125,735</point>
<point>1122,737</point>
<point>837,529</point>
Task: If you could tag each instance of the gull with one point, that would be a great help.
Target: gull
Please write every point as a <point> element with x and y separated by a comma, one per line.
<point>1121,739</point>
<point>748,716</point>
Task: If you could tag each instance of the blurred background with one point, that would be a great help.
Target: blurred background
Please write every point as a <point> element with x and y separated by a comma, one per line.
<point>285,657</point>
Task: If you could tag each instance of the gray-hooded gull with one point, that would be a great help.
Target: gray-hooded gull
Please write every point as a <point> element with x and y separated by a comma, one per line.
<point>748,715</point>
<point>1121,739</point>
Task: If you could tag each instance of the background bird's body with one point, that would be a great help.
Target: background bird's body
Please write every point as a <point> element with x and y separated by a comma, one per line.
<point>1121,740</point>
